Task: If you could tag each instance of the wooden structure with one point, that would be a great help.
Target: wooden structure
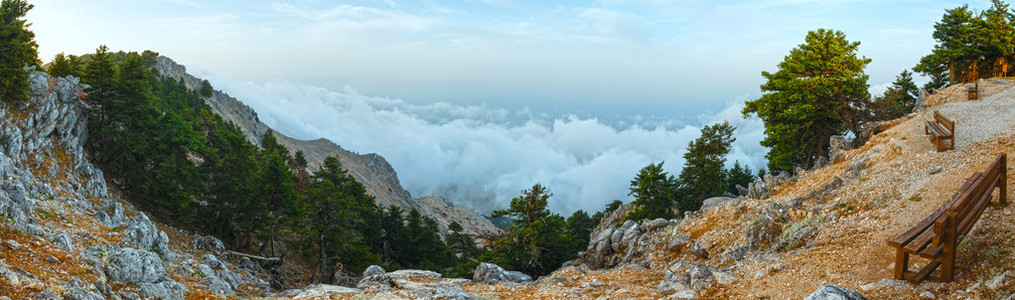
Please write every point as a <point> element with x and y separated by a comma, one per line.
<point>940,129</point>
<point>973,92</point>
<point>937,235</point>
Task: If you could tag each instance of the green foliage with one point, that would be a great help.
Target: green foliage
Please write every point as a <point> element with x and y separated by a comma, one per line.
<point>820,90</point>
<point>17,51</point>
<point>538,241</point>
<point>899,99</point>
<point>61,66</point>
<point>738,175</point>
<point>653,191</point>
<point>970,44</point>
<point>703,175</point>
<point>301,160</point>
<point>206,89</point>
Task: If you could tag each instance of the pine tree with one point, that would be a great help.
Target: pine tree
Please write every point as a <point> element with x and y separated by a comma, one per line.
<point>61,66</point>
<point>738,175</point>
<point>703,175</point>
<point>955,50</point>
<point>17,51</point>
<point>536,243</point>
<point>899,99</point>
<point>653,191</point>
<point>820,90</point>
<point>996,34</point>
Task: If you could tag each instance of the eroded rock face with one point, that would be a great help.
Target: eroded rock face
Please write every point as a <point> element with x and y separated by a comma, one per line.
<point>491,274</point>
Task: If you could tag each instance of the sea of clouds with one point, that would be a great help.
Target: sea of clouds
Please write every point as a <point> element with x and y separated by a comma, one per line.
<point>481,157</point>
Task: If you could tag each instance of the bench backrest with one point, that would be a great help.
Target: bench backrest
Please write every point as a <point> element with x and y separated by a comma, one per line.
<point>964,212</point>
<point>945,122</point>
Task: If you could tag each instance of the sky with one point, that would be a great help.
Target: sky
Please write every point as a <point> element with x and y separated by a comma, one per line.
<point>478,99</point>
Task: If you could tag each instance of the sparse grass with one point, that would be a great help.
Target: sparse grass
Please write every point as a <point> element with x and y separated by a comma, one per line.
<point>863,179</point>
<point>916,198</point>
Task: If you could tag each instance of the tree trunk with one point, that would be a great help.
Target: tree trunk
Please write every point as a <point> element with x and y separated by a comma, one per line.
<point>951,72</point>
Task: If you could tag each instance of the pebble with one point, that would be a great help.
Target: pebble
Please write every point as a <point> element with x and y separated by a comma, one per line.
<point>927,295</point>
<point>52,259</point>
<point>935,170</point>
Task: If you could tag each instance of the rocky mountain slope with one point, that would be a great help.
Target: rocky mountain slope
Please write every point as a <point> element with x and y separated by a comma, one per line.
<point>376,174</point>
<point>67,235</point>
<point>820,234</point>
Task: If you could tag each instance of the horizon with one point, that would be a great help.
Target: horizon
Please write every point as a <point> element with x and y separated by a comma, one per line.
<point>589,93</point>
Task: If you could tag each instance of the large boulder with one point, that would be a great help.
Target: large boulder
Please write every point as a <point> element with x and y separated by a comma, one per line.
<point>135,266</point>
<point>141,233</point>
<point>491,274</point>
<point>834,292</point>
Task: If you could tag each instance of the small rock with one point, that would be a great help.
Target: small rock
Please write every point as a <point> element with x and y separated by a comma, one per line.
<point>723,278</point>
<point>491,273</point>
<point>324,290</point>
<point>699,250</point>
<point>834,292</point>
<point>927,295</point>
<point>373,270</point>
<point>679,241</point>
<point>52,259</point>
<point>935,170</point>
<point>996,282</point>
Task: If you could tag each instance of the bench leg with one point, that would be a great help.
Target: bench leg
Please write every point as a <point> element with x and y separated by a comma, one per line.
<point>1002,195</point>
<point>948,257</point>
<point>901,264</point>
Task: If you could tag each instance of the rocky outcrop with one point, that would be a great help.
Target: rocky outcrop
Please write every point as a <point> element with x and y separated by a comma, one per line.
<point>372,170</point>
<point>834,292</point>
<point>491,274</point>
<point>412,284</point>
<point>617,242</point>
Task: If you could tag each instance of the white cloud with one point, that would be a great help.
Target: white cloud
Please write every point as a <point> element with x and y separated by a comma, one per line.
<point>481,157</point>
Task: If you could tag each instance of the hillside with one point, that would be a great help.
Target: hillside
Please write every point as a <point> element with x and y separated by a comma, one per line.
<point>830,225</point>
<point>372,170</point>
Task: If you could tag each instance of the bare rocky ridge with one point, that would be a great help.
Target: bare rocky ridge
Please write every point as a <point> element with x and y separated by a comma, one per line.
<point>372,170</point>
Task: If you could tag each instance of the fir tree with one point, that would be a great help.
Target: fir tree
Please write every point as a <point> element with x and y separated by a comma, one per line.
<point>653,191</point>
<point>820,90</point>
<point>17,51</point>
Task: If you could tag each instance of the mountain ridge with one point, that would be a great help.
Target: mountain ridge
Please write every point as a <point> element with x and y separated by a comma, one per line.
<point>372,170</point>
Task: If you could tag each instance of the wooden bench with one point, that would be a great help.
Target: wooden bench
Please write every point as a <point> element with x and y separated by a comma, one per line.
<point>940,129</point>
<point>973,92</point>
<point>936,236</point>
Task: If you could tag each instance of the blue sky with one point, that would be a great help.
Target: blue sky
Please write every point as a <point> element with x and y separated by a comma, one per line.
<point>602,57</point>
<point>477,100</point>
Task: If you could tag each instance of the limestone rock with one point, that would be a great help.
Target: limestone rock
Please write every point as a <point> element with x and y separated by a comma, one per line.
<point>136,266</point>
<point>324,290</point>
<point>491,273</point>
<point>674,284</point>
<point>837,145</point>
<point>111,214</point>
<point>718,201</point>
<point>766,227</point>
<point>165,289</point>
<point>834,292</point>
<point>679,241</point>
<point>373,270</point>
<point>209,243</point>
<point>699,250</point>
<point>141,233</point>
<point>77,293</point>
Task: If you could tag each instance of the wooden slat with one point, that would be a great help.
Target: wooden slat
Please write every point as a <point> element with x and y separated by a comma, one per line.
<point>923,225</point>
<point>936,130</point>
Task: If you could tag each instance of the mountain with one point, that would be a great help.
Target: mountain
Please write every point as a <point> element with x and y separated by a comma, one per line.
<point>372,170</point>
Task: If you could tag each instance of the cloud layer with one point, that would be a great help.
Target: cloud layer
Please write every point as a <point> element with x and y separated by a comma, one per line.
<point>482,157</point>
